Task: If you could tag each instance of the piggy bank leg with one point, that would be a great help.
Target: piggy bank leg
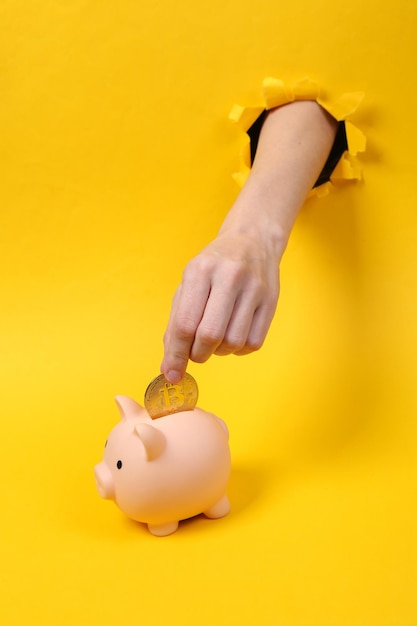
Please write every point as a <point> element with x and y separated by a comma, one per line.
<point>161,530</point>
<point>220,509</point>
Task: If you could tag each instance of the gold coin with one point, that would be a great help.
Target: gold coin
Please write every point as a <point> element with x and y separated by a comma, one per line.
<point>163,398</point>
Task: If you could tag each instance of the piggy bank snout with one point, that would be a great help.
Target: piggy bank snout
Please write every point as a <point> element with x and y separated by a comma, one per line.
<point>104,481</point>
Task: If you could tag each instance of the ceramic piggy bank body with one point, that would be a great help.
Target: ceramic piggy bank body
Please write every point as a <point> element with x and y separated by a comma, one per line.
<point>168,469</point>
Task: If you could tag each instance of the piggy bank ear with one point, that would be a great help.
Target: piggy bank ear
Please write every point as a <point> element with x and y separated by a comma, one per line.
<point>129,408</point>
<point>153,440</point>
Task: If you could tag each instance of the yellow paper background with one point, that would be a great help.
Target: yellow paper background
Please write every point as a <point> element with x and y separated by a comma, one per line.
<point>116,158</point>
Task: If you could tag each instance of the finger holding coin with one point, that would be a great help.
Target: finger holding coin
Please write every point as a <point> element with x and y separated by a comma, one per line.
<point>164,398</point>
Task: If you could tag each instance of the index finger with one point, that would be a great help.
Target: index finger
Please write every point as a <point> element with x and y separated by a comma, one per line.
<point>186,313</point>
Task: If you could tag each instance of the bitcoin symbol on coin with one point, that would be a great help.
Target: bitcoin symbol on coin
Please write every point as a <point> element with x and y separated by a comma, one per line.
<point>173,396</point>
<point>163,398</point>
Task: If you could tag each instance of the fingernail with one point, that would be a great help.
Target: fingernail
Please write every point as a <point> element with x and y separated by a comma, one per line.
<point>173,376</point>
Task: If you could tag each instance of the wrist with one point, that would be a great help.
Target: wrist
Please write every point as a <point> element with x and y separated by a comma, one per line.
<point>254,218</point>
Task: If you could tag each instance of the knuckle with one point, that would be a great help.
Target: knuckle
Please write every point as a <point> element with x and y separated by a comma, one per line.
<point>258,289</point>
<point>199,358</point>
<point>254,344</point>
<point>221,351</point>
<point>196,267</point>
<point>237,275</point>
<point>232,343</point>
<point>208,337</point>
<point>185,328</point>
<point>179,359</point>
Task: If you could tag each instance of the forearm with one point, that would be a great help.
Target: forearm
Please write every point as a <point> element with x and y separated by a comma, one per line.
<point>293,146</point>
<point>229,291</point>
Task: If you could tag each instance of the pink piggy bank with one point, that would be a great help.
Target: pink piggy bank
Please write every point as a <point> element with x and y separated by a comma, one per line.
<point>165,470</point>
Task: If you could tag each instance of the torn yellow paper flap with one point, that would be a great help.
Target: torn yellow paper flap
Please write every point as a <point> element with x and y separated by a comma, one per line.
<point>345,105</point>
<point>245,155</point>
<point>275,94</point>
<point>320,192</point>
<point>245,116</point>
<point>355,138</point>
<point>241,176</point>
<point>305,89</point>
<point>346,170</point>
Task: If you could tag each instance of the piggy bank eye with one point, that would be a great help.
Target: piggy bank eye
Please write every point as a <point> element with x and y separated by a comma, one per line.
<point>119,465</point>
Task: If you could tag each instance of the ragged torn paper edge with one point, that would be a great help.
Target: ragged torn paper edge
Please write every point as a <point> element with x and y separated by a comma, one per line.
<point>275,93</point>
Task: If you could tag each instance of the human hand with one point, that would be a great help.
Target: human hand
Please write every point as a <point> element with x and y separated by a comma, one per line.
<point>224,304</point>
<point>229,292</point>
